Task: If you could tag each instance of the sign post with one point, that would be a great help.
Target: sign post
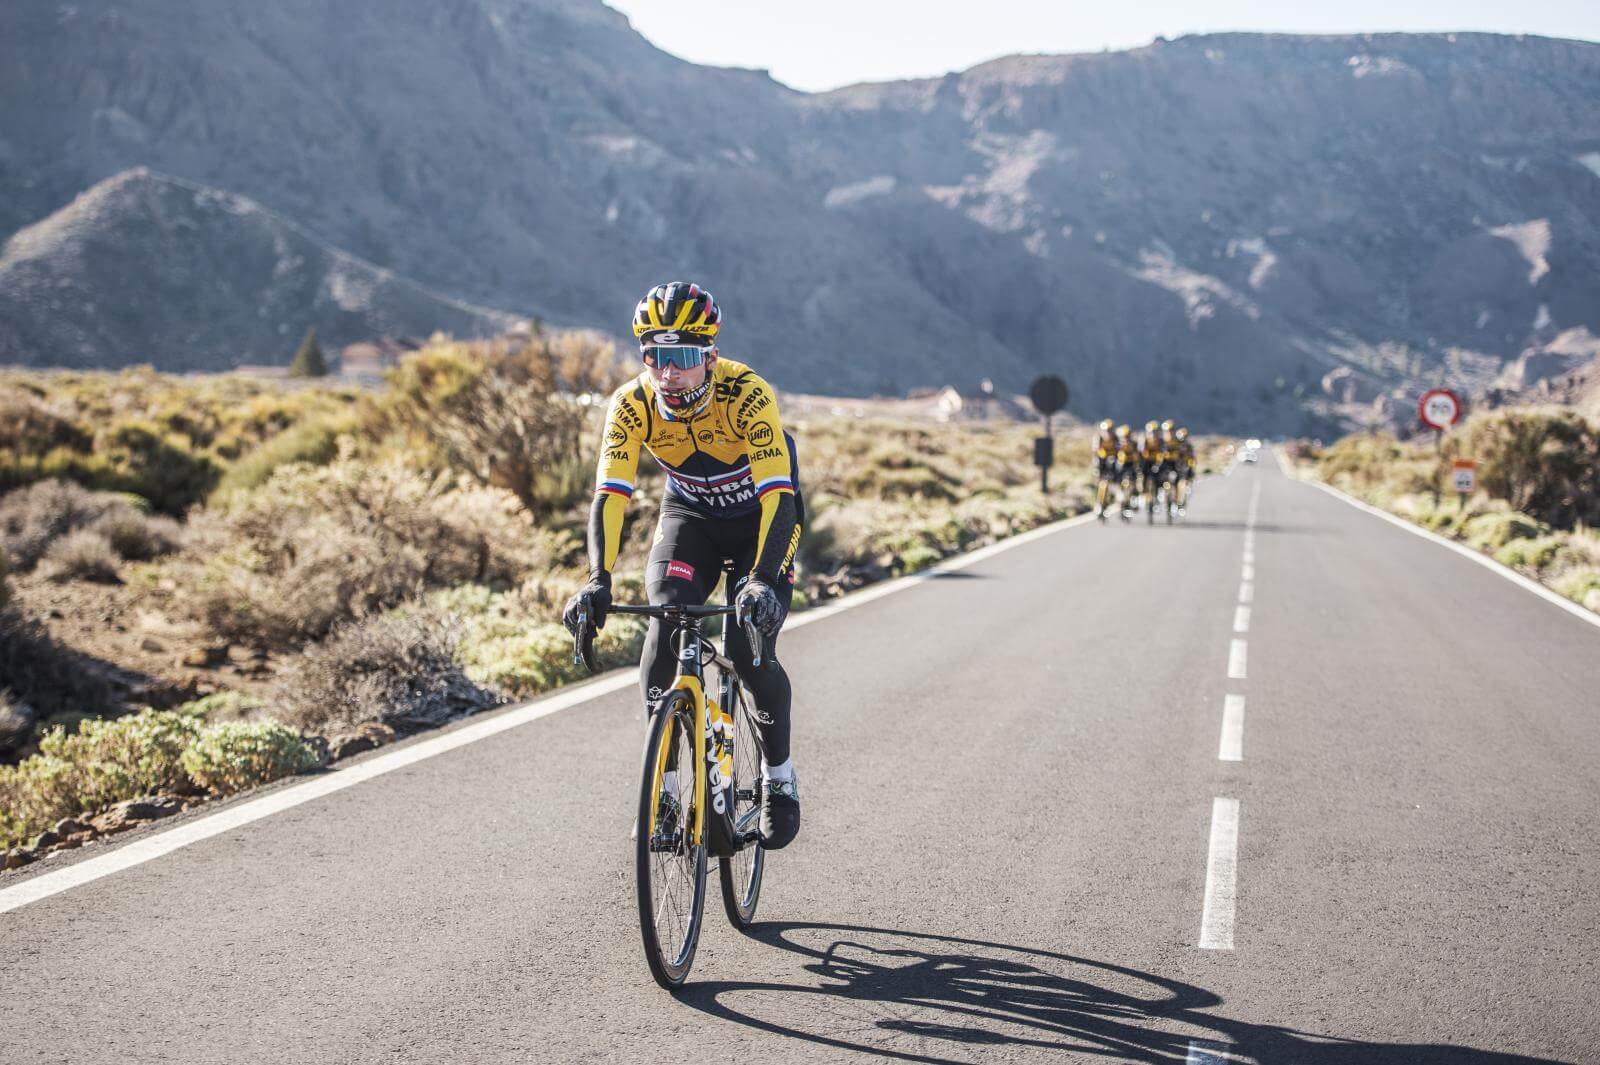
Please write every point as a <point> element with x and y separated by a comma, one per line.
<point>1049,394</point>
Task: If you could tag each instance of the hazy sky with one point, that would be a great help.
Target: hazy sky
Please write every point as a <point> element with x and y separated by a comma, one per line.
<point>822,44</point>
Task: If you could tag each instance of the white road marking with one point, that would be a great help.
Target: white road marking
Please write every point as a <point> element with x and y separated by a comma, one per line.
<point>1248,573</point>
<point>1236,653</point>
<point>1249,558</point>
<point>1222,870</point>
<point>1241,619</point>
<point>128,855</point>
<point>1207,1052</point>
<point>1231,747</point>
<point>1575,609</point>
<point>1247,591</point>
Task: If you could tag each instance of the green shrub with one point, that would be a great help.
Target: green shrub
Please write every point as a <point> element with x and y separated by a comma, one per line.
<point>314,442</point>
<point>1534,554</point>
<point>102,763</point>
<point>539,658</point>
<point>225,706</point>
<point>237,755</point>
<point>1491,532</point>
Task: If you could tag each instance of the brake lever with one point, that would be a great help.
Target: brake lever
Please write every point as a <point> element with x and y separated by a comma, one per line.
<point>583,644</point>
<point>752,634</point>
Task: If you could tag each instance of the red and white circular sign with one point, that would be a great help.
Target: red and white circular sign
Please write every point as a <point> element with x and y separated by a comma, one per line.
<point>1439,408</point>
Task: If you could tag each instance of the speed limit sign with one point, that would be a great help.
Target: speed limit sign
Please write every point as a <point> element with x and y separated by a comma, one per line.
<point>1439,408</point>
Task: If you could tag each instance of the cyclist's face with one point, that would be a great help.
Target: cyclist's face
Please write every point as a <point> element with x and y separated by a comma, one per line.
<point>672,378</point>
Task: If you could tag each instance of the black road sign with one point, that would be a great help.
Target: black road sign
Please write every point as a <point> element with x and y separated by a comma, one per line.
<point>1049,394</point>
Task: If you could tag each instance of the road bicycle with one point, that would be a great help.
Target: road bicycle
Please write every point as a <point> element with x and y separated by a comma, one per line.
<point>1164,499</point>
<point>699,791</point>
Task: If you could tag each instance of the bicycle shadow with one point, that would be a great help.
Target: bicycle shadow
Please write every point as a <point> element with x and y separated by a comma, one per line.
<point>919,997</point>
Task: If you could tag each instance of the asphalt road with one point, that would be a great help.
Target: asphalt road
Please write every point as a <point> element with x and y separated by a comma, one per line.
<point>1013,846</point>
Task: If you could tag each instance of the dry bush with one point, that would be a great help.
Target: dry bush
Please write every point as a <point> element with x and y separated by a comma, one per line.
<point>1546,465</point>
<point>515,414</point>
<point>138,537</point>
<point>81,555</point>
<point>32,518</point>
<point>401,670</point>
<point>229,758</point>
<point>317,545</point>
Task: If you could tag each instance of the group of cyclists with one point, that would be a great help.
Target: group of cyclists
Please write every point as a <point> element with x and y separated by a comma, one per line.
<point>1154,470</point>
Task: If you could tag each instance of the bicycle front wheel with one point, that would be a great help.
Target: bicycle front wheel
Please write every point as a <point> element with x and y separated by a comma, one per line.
<point>669,867</point>
<point>741,873</point>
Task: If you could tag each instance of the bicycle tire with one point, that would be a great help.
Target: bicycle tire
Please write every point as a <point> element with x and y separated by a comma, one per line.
<point>741,874</point>
<point>669,961</point>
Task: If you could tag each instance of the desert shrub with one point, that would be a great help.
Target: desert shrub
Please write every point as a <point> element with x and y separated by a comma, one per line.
<point>81,555</point>
<point>225,706</point>
<point>314,545</point>
<point>30,427</point>
<point>136,536</point>
<point>1492,531</point>
<point>314,442</point>
<point>236,755</point>
<point>539,657</point>
<point>157,466</point>
<point>1534,554</point>
<point>31,518</point>
<point>102,763</point>
<point>507,412</point>
<point>1544,464</point>
<point>49,677</point>
<point>398,669</point>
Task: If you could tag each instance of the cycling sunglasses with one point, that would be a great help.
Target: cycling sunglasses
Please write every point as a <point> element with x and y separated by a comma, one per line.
<point>684,357</point>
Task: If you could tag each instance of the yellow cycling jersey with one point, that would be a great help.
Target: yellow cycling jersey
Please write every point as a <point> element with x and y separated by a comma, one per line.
<point>1152,448</point>
<point>729,459</point>
<point>1105,446</point>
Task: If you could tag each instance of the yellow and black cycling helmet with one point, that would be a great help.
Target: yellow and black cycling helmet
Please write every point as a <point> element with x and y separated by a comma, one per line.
<point>1150,426</point>
<point>1123,430</point>
<point>1105,425</point>
<point>677,314</point>
<point>1181,433</point>
<point>1166,426</point>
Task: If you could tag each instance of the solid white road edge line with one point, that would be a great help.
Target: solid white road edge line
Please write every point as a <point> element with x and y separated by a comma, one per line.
<point>1236,654</point>
<point>1222,871</point>
<point>1241,619</point>
<point>137,853</point>
<point>1575,609</point>
<point>1231,746</point>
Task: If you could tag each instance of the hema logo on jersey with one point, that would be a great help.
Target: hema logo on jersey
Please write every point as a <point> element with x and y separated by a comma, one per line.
<point>681,570</point>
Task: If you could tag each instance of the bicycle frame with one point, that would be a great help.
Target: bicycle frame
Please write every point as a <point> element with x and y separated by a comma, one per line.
<point>693,653</point>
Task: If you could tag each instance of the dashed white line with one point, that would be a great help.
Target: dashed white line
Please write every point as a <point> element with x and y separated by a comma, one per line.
<point>1247,591</point>
<point>1222,870</point>
<point>1241,619</point>
<point>1236,655</point>
<point>1231,747</point>
<point>1248,573</point>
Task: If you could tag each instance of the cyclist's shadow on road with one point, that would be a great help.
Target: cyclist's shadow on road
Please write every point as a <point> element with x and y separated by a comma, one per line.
<point>931,998</point>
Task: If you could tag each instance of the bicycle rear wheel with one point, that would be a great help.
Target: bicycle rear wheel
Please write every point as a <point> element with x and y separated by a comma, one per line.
<point>669,869</point>
<point>741,873</point>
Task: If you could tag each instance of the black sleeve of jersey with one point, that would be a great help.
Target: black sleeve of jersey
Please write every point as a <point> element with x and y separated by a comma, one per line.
<point>783,535</point>
<point>597,534</point>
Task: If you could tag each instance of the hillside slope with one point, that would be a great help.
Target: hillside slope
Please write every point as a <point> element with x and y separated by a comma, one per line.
<point>97,281</point>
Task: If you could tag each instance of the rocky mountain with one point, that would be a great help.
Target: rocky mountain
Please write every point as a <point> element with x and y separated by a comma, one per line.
<point>1243,230</point>
<point>99,280</point>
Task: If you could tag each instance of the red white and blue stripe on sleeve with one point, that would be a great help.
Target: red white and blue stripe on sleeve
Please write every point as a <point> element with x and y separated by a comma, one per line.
<point>773,484</point>
<point>618,488</point>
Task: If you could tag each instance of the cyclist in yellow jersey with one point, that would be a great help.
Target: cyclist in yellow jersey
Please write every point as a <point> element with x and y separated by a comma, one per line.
<point>732,496</point>
<point>1186,463</point>
<point>1105,467</point>
<point>1127,469</point>
<point>1152,448</point>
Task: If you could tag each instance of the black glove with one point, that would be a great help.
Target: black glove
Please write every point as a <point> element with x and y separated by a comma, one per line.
<point>597,593</point>
<point>758,604</point>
